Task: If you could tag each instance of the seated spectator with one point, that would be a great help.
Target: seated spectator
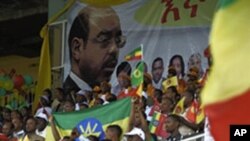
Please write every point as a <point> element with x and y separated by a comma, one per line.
<point>45,106</point>
<point>93,138</point>
<point>18,128</point>
<point>26,113</point>
<point>136,134</point>
<point>42,122</point>
<point>95,94</point>
<point>30,128</point>
<point>83,106</point>
<point>173,94</point>
<point>7,130</point>
<point>68,106</point>
<point>172,127</point>
<point>166,105</point>
<point>113,132</point>
<point>80,98</point>
<point>16,114</point>
<point>48,94</point>
<point>98,101</point>
<point>111,98</point>
<point>59,98</point>
<point>105,91</point>
<point>6,114</point>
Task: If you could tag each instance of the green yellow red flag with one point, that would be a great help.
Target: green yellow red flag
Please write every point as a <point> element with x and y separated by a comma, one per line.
<point>226,94</point>
<point>94,121</point>
<point>136,54</point>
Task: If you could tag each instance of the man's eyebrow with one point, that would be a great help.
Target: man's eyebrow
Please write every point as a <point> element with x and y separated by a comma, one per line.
<point>104,32</point>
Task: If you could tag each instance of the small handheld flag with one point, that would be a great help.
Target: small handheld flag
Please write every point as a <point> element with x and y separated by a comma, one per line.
<point>136,54</point>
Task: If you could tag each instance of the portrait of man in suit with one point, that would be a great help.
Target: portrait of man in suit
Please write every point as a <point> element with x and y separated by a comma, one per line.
<point>94,40</point>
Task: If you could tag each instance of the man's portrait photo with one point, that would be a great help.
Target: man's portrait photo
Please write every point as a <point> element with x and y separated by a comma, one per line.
<point>94,40</point>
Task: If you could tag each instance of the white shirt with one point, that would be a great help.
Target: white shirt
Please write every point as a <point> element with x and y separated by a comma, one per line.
<point>79,82</point>
<point>19,134</point>
<point>159,84</point>
<point>42,133</point>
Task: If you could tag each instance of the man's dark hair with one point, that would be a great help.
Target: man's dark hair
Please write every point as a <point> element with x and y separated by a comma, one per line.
<point>61,90</point>
<point>117,129</point>
<point>175,117</point>
<point>6,110</point>
<point>66,137</point>
<point>18,113</point>
<point>72,103</point>
<point>49,93</point>
<point>93,138</point>
<point>174,89</point>
<point>156,60</point>
<point>158,94</point>
<point>182,63</point>
<point>80,29</point>
<point>125,67</point>
<point>112,98</point>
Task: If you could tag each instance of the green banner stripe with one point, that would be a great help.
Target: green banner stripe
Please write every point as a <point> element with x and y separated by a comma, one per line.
<point>225,3</point>
<point>105,114</point>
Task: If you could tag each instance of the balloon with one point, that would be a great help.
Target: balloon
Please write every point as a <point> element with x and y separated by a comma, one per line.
<point>15,91</point>
<point>2,92</point>
<point>8,85</point>
<point>18,81</point>
<point>3,78</point>
<point>1,83</point>
<point>28,79</point>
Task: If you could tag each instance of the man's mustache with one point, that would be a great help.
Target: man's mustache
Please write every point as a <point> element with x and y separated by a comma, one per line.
<point>111,62</point>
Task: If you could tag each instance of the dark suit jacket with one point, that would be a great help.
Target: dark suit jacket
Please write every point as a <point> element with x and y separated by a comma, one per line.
<point>69,85</point>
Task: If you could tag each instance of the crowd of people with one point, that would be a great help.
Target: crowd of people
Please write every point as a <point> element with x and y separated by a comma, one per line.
<point>94,44</point>
<point>179,103</point>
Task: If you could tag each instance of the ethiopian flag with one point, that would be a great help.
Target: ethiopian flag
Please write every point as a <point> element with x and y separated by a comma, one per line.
<point>137,78</point>
<point>137,75</point>
<point>135,54</point>
<point>157,125</point>
<point>226,95</point>
<point>94,121</point>
<point>172,81</point>
<point>179,107</point>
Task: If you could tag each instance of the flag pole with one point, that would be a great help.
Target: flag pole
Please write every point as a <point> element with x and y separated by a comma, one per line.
<point>142,52</point>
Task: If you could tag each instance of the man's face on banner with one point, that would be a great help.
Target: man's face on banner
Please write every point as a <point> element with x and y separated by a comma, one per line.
<point>99,56</point>
<point>177,65</point>
<point>157,70</point>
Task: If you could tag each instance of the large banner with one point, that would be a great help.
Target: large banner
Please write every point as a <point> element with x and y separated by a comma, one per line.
<point>98,38</point>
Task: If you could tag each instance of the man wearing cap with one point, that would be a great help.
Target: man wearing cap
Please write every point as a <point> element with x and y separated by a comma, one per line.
<point>80,99</point>
<point>136,134</point>
<point>44,101</point>
<point>42,122</point>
